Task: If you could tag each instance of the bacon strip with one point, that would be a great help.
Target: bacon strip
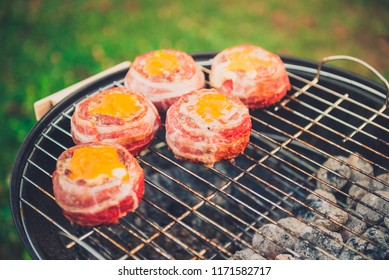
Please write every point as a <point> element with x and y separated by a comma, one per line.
<point>164,89</point>
<point>259,85</point>
<point>135,133</point>
<point>192,139</point>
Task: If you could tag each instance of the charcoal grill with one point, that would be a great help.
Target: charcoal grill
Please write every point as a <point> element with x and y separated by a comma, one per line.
<point>193,212</point>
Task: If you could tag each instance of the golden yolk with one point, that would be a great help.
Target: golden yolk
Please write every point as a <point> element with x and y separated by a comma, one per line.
<point>117,105</point>
<point>90,162</point>
<point>246,60</point>
<point>161,62</point>
<point>212,106</point>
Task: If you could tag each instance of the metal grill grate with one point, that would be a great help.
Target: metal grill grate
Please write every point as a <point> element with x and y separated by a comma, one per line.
<point>193,212</point>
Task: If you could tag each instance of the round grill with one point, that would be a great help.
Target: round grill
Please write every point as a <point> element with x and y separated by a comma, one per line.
<point>193,212</point>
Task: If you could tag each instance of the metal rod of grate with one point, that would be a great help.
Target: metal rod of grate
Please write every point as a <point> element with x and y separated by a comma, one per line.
<point>194,212</point>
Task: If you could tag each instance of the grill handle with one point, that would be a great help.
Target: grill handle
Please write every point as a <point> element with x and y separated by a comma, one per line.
<point>357,60</point>
<point>41,107</point>
<point>368,66</point>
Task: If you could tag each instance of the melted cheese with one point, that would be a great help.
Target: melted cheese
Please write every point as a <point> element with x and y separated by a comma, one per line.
<point>161,62</point>
<point>212,106</point>
<point>246,60</point>
<point>89,163</point>
<point>117,105</point>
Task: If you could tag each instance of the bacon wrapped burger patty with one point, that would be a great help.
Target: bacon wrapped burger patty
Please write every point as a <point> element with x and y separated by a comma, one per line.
<point>206,126</point>
<point>116,115</point>
<point>163,76</point>
<point>97,183</point>
<point>257,76</point>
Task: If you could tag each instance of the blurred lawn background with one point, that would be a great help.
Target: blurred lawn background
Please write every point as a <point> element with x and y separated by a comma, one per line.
<point>49,45</point>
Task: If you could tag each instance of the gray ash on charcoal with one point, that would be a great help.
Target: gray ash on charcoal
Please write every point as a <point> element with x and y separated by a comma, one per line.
<point>382,184</point>
<point>366,186</point>
<point>273,241</point>
<point>334,217</point>
<point>284,257</point>
<point>334,173</point>
<point>316,236</point>
<point>248,254</point>
<point>354,225</point>
<point>356,191</point>
<point>361,233</point>
<point>386,222</point>
<point>359,167</point>
<point>322,241</point>
<point>376,203</point>
<point>376,252</point>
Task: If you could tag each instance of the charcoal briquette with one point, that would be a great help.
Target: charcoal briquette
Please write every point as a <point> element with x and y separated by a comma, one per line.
<point>268,248</point>
<point>376,204</point>
<point>248,254</point>
<point>337,178</point>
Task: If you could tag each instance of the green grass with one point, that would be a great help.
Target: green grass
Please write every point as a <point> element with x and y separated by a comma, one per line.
<point>49,45</point>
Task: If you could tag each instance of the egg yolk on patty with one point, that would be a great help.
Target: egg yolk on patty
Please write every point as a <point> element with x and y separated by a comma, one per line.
<point>117,105</point>
<point>90,162</point>
<point>246,60</point>
<point>212,106</point>
<point>161,62</point>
